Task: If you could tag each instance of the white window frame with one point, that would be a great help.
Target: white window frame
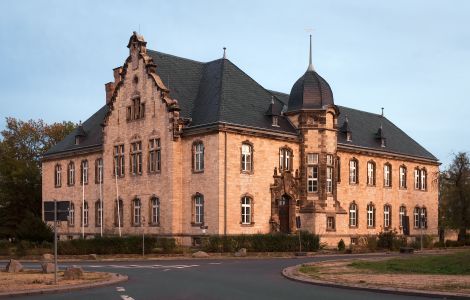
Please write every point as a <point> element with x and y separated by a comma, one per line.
<point>353,215</point>
<point>71,177</point>
<point>285,157</point>
<point>154,155</point>
<point>353,171</point>
<point>417,179</point>
<point>99,211</point>
<point>198,209</point>
<point>329,179</point>
<point>387,175</point>
<point>403,177</point>
<point>71,218</point>
<point>370,215</point>
<point>84,174</point>
<point>387,220</point>
<point>119,160</point>
<point>312,179</point>
<point>85,214</point>
<point>137,211</point>
<point>423,179</point>
<point>402,213</point>
<point>423,217</point>
<point>329,159</point>
<point>100,170</point>
<point>155,202</point>
<point>330,223</point>
<point>136,158</point>
<point>246,210</point>
<point>58,176</point>
<point>247,157</point>
<point>198,156</point>
<point>370,173</point>
<point>312,158</point>
<point>416,214</point>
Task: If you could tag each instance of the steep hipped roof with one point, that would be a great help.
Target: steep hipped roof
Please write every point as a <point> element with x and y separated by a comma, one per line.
<point>310,91</point>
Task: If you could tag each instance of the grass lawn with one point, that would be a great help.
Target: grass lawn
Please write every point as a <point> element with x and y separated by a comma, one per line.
<point>449,264</point>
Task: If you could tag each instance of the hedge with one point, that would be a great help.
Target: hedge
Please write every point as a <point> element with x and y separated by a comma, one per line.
<point>275,242</point>
<point>116,245</point>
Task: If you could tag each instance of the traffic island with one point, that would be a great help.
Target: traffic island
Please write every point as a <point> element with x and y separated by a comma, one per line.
<point>431,275</point>
<point>28,282</point>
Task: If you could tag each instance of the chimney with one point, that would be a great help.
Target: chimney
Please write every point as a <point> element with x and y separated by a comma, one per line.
<point>110,86</point>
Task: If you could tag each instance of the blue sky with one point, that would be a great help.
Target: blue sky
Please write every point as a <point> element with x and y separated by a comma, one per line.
<point>411,57</point>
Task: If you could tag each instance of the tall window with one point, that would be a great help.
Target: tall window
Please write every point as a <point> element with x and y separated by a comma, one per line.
<point>423,180</point>
<point>99,170</point>
<point>416,212</point>
<point>71,219</point>
<point>71,173</point>
<point>136,110</point>
<point>353,168</point>
<point>136,158</point>
<point>417,179</point>
<point>285,159</point>
<point>330,223</point>
<point>119,213</point>
<point>84,172</point>
<point>58,175</point>
<point>98,213</point>
<point>247,158</point>
<point>246,210</point>
<point>353,215</point>
<point>402,214</point>
<point>371,173</point>
<point>119,160</point>
<point>198,156</point>
<point>370,215</point>
<point>338,169</point>
<point>387,216</point>
<point>387,175</point>
<point>85,214</point>
<point>136,211</point>
<point>198,209</point>
<point>155,211</point>
<point>424,217</point>
<point>154,155</point>
<point>420,179</point>
<point>312,172</point>
<point>329,173</point>
<point>403,177</point>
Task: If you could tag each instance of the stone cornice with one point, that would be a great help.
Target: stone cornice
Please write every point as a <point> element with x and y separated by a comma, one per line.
<point>74,152</point>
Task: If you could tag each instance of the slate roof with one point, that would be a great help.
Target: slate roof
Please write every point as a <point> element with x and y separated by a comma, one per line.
<point>219,92</point>
<point>310,91</point>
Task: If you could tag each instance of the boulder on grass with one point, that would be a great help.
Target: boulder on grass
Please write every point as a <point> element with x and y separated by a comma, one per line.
<point>72,273</point>
<point>241,252</point>
<point>93,257</point>
<point>14,266</point>
<point>200,254</point>
<point>47,268</point>
<point>47,257</point>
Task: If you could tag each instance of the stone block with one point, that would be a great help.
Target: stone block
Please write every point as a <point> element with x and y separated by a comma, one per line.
<point>14,266</point>
<point>48,267</point>
<point>241,252</point>
<point>72,273</point>
<point>200,254</point>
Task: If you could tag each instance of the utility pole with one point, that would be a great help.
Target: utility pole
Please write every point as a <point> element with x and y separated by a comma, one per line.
<point>55,241</point>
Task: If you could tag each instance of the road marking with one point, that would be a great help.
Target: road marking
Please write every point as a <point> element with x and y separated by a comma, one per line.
<point>166,270</point>
<point>120,289</point>
<point>143,266</point>
<point>214,263</point>
<point>125,297</point>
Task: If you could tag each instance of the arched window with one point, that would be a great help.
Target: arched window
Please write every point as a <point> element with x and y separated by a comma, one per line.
<point>423,179</point>
<point>84,172</point>
<point>85,214</point>
<point>424,218</point>
<point>387,216</point>
<point>71,219</point>
<point>155,211</point>
<point>247,158</point>
<point>71,173</point>
<point>198,156</point>
<point>353,171</point>
<point>402,214</point>
<point>136,212</point>
<point>198,209</point>
<point>370,215</point>
<point>285,159</point>
<point>416,212</point>
<point>119,213</point>
<point>371,173</point>
<point>99,170</point>
<point>387,175</point>
<point>58,175</point>
<point>353,214</point>
<point>403,177</point>
<point>247,210</point>
<point>98,213</point>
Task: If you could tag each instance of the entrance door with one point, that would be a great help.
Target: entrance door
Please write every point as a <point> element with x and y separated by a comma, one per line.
<point>284,214</point>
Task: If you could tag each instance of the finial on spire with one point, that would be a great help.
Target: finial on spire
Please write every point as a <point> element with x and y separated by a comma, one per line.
<point>310,65</point>
<point>382,111</point>
<point>224,53</point>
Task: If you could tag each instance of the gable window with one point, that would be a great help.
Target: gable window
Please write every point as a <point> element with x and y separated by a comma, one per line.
<point>136,212</point>
<point>402,214</point>
<point>58,175</point>
<point>85,214</point>
<point>119,160</point>
<point>154,156</point>
<point>329,173</point>
<point>387,175</point>
<point>71,218</point>
<point>330,223</point>
<point>370,215</point>
<point>71,174</point>
<point>387,216</point>
<point>312,172</point>
<point>198,156</point>
<point>246,210</point>
<point>136,158</point>
<point>285,159</point>
<point>119,213</point>
<point>99,170</point>
<point>84,172</point>
<point>198,209</point>
<point>98,213</point>
<point>247,158</point>
<point>353,167</point>
<point>136,110</point>
<point>403,177</point>
<point>371,173</point>
<point>353,215</point>
<point>155,211</point>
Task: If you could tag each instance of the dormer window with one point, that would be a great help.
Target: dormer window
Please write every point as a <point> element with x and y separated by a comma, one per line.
<point>275,121</point>
<point>77,140</point>
<point>348,136</point>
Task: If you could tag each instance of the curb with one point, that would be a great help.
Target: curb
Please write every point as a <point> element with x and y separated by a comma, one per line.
<point>292,273</point>
<point>115,278</point>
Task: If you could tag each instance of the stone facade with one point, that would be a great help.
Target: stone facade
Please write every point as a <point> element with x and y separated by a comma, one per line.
<point>223,183</point>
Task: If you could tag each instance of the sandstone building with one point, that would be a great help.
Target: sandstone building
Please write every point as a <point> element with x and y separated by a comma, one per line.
<point>183,148</point>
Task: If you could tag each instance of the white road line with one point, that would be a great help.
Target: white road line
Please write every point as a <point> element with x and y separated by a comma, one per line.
<point>120,289</point>
<point>166,270</point>
<point>125,297</point>
<point>215,263</point>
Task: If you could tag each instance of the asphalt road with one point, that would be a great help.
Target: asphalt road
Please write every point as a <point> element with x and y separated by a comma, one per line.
<point>209,279</point>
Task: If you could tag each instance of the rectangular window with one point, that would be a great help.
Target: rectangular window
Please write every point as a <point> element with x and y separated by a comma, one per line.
<point>246,158</point>
<point>387,175</point>
<point>329,179</point>
<point>198,149</point>
<point>312,159</point>
<point>99,213</point>
<point>119,160</point>
<point>353,171</point>
<point>84,172</point>
<point>424,218</point>
<point>417,179</point>
<point>71,219</point>
<point>71,178</point>
<point>353,215</point>
<point>136,110</point>
<point>402,214</point>
<point>403,177</point>
<point>99,171</point>
<point>58,176</point>
<point>329,159</point>
<point>136,158</point>
<point>285,157</point>
<point>423,180</point>
<point>85,215</point>
<point>312,179</point>
<point>386,216</point>
<point>416,217</point>
<point>370,173</point>
<point>136,213</point>
<point>330,223</point>
<point>198,209</point>
<point>370,215</point>
<point>155,211</point>
<point>246,210</point>
<point>154,156</point>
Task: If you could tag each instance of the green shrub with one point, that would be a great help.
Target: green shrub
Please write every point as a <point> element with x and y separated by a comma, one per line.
<point>368,242</point>
<point>34,229</point>
<point>427,242</point>
<point>450,243</point>
<point>390,240</point>
<point>341,245</point>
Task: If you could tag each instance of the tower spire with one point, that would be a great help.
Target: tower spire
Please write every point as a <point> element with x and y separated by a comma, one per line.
<point>310,65</point>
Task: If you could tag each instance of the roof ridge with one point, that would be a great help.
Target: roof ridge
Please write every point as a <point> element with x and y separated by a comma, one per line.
<point>175,56</point>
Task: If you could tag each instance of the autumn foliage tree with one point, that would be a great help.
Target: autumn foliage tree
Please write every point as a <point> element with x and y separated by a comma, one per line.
<point>22,145</point>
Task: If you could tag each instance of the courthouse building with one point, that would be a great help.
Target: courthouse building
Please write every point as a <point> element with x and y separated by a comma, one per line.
<point>184,148</point>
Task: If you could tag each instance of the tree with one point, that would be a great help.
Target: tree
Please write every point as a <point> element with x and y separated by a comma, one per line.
<point>455,195</point>
<point>21,148</point>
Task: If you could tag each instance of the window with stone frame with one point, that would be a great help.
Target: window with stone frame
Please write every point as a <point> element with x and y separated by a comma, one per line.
<point>330,223</point>
<point>424,217</point>
<point>387,216</point>
<point>423,180</point>
<point>198,209</point>
<point>136,212</point>
<point>371,173</point>
<point>370,215</point>
<point>417,178</point>
<point>198,156</point>
<point>136,110</point>
<point>154,155</point>
<point>71,173</point>
<point>84,172</point>
<point>58,175</point>
<point>247,157</point>
<point>387,175</point>
<point>71,218</point>
<point>312,172</point>
<point>416,214</point>
<point>353,171</point>
<point>155,211</point>
<point>285,159</point>
<point>353,214</point>
<point>247,210</point>
<point>136,158</point>
<point>402,213</point>
<point>118,213</point>
<point>329,173</point>
<point>99,170</point>
<point>119,161</point>
<point>85,214</point>
<point>403,177</point>
<point>98,213</point>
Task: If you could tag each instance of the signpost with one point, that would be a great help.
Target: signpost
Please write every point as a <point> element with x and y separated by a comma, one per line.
<point>56,211</point>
